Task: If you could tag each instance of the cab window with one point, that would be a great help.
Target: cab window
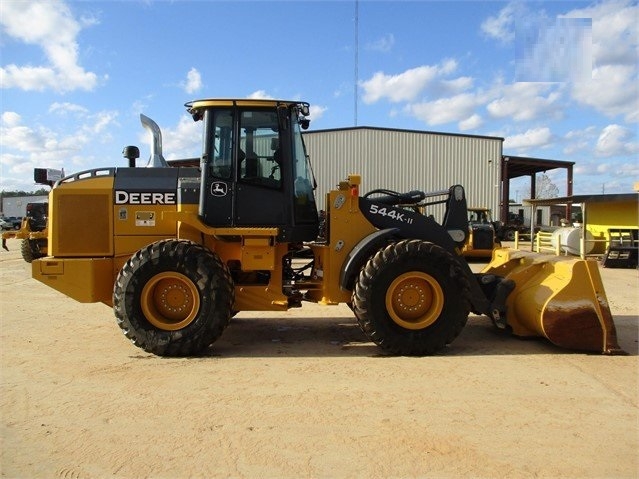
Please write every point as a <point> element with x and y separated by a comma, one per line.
<point>222,144</point>
<point>259,153</point>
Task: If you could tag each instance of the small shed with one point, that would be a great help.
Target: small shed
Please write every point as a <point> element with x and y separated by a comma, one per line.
<point>601,214</point>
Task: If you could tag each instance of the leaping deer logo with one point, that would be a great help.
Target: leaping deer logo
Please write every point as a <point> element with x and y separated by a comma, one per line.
<point>219,189</point>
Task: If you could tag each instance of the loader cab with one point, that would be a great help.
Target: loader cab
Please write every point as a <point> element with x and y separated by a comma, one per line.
<point>254,167</point>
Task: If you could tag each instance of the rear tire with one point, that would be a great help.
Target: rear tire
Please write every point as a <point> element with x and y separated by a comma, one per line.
<point>411,298</point>
<point>173,298</point>
<point>30,250</point>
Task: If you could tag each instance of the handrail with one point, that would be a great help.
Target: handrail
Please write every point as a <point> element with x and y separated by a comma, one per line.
<point>82,175</point>
<point>543,242</point>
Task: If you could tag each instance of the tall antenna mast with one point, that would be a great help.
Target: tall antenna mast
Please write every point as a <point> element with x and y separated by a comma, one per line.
<point>356,91</point>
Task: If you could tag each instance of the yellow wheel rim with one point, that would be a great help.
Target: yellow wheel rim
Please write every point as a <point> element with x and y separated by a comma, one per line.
<point>414,300</point>
<point>170,301</point>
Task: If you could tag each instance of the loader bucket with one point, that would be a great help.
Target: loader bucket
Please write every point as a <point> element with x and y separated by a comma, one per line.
<point>559,298</point>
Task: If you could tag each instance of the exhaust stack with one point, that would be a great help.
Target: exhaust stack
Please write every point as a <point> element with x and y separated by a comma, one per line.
<point>156,160</point>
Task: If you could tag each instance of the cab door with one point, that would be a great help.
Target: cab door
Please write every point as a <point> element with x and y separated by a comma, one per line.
<point>216,193</point>
<point>259,193</point>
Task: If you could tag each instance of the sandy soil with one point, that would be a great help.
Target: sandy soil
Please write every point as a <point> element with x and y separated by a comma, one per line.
<point>303,394</point>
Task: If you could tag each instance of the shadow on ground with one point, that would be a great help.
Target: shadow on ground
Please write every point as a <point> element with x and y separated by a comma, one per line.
<point>333,337</point>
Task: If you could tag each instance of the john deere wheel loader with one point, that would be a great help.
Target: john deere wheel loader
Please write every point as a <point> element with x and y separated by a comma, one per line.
<point>177,250</point>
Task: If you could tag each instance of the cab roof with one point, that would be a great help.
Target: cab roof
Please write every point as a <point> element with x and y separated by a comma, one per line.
<point>250,102</point>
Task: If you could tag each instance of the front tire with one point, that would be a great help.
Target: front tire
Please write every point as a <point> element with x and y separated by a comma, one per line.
<point>173,298</point>
<point>411,298</point>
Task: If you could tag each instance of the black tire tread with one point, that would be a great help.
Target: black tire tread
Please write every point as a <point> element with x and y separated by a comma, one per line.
<point>207,272</point>
<point>397,340</point>
<point>30,250</point>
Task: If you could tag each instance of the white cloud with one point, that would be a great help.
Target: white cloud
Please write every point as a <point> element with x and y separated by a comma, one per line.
<point>51,26</point>
<point>101,121</point>
<point>628,170</point>
<point>445,110</point>
<point>193,82</point>
<point>614,31</point>
<point>616,140</point>
<point>11,119</point>
<point>579,141</point>
<point>579,134</point>
<point>457,85</point>
<point>614,87</point>
<point>583,168</point>
<point>24,148</point>
<point>533,138</point>
<point>554,50</point>
<point>182,141</point>
<point>344,88</point>
<point>613,91</point>
<point>260,95</point>
<point>471,123</point>
<point>405,86</point>
<point>316,112</point>
<point>611,86</point>
<point>525,101</point>
<point>502,26</point>
<point>66,107</point>
<point>15,136</point>
<point>384,44</point>
<point>27,147</point>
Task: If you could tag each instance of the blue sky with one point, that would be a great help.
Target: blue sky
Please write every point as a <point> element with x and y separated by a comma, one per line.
<point>557,80</point>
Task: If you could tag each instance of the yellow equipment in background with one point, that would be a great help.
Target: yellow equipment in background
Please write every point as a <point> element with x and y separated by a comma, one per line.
<point>178,248</point>
<point>33,232</point>
<point>482,236</point>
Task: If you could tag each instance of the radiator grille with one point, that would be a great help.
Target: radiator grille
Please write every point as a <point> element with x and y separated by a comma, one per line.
<point>83,224</point>
<point>482,239</point>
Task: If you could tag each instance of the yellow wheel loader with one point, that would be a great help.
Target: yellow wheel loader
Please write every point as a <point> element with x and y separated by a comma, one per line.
<point>177,249</point>
<point>482,239</point>
<point>33,233</point>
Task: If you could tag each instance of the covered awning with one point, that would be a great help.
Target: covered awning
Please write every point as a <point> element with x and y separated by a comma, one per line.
<point>518,166</point>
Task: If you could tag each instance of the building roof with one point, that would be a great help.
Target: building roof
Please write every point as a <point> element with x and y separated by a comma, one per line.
<point>350,128</point>
<point>525,166</point>
<point>614,198</point>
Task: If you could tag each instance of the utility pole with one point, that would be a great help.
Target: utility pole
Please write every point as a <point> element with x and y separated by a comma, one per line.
<point>356,86</point>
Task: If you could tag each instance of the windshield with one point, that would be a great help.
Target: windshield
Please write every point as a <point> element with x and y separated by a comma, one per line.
<point>479,216</point>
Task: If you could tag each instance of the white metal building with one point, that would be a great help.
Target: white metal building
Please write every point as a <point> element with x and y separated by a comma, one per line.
<point>17,205</point>
<point>404,160</point>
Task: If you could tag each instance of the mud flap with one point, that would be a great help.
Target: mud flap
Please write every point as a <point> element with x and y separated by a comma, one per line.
<point>559,298</point>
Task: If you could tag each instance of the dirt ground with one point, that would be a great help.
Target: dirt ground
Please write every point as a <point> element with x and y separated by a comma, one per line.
<point>303,394</point>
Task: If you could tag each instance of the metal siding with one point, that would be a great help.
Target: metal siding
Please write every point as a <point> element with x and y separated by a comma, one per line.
<point>17,205</point>
<point>406,160</point>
